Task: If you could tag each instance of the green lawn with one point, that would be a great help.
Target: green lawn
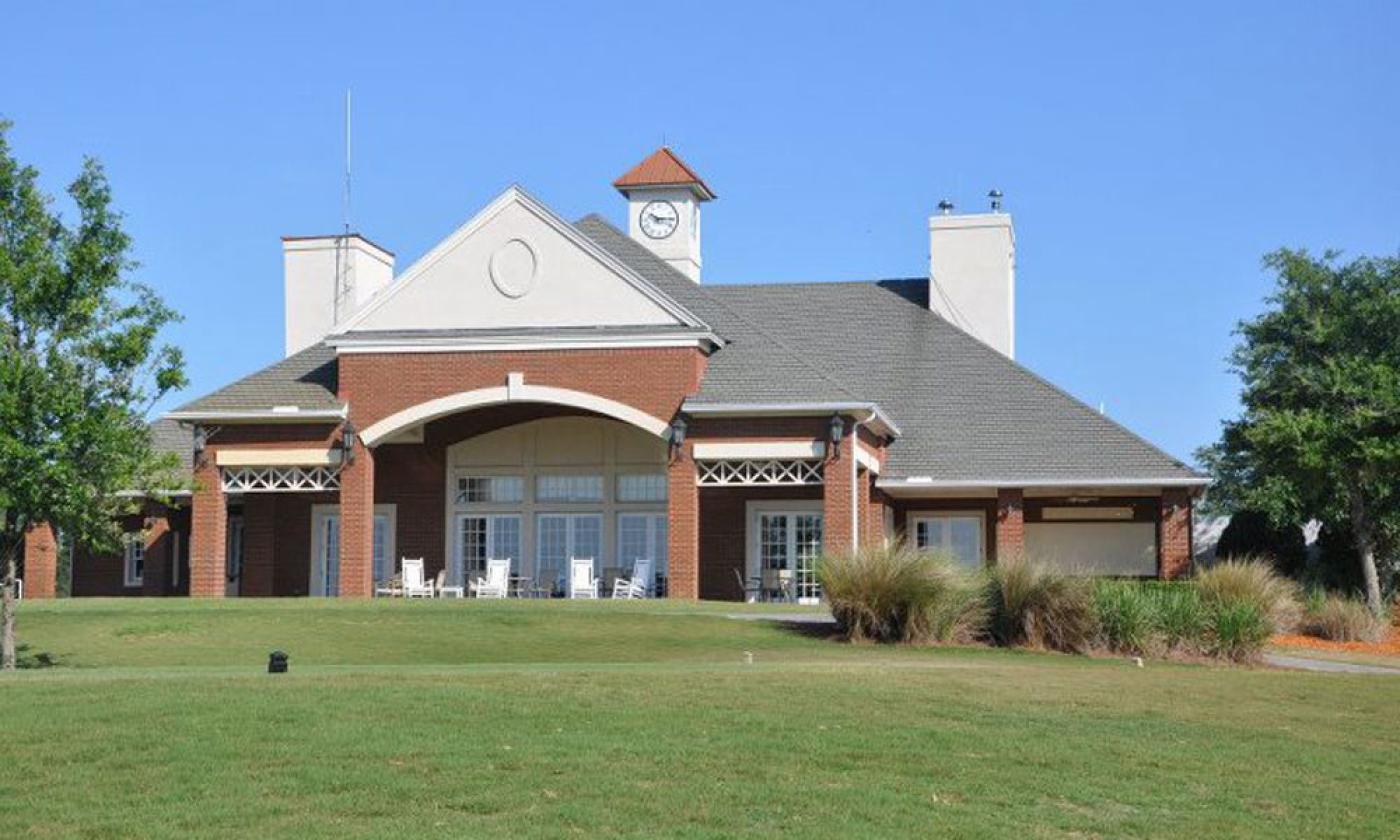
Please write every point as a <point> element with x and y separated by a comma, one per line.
<point>642,719</point>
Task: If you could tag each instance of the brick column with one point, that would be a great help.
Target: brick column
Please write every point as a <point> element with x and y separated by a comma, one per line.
<point>683,526</point>
<point>40,561</point>
<point>873,504</point>
<point>1174,535</point>
<point>208,531</point>
<point>836,496</point>
<point>155,577</point>
<point>357,525</point>
<point>1011,523</point>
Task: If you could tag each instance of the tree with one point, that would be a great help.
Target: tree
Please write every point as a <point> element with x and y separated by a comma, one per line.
<point>1320,433</point>
<point>1251,533</point>
<point>80,365</point>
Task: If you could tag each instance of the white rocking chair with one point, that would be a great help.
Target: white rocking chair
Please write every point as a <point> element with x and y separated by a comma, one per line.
<point>414,585</point>
<point>496,584</point>
<point>637,586</point>
<point>582,583</point>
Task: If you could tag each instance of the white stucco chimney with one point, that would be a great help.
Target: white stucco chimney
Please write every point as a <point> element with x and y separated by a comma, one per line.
<point>972,275</point>
<point>327,279</point>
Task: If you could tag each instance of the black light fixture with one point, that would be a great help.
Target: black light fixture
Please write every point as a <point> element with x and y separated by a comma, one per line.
<point>836,430</point>
<point>945,207</point>
<point>995,195</point>
<point>347,443</point>
<point>678,429</point>
<point>200,443</point>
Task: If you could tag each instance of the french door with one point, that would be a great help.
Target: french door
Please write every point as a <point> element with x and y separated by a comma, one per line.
<point>482,537</point>
<point>562,536</point>
<point>233,556</point>
<point>325,547</point>
<point>791,542</point>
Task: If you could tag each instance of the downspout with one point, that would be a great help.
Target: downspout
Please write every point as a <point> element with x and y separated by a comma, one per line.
<point>855,484</point>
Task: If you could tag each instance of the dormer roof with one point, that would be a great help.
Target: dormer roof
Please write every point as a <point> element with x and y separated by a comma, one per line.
<point>663,168</point>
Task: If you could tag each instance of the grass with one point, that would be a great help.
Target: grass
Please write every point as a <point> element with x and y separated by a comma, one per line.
<point>561,720</point>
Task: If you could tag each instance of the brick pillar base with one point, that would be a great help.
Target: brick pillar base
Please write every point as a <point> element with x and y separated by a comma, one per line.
<point>155,577</point>
<point>40,562</point>
<point>357,525</point>
<point>836,497</point>
<point>208,532</point>
<point>1011,524</point>
<point>1174,538</point>
<point>683,527</point>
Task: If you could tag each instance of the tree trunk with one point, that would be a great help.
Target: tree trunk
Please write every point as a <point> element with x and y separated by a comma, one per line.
<point>1365,539</point>
<point>7,604</point>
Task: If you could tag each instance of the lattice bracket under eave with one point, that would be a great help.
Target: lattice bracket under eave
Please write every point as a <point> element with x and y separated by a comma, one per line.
<point>758,473</point>
<point>280,479</point>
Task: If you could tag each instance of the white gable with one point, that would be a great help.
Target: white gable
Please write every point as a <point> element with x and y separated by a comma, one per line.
<point>516,265</point>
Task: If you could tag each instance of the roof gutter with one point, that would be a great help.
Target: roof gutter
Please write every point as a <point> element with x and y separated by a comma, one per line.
<point>290,414</point>
<point>865,413</point>
<point>927,483</point>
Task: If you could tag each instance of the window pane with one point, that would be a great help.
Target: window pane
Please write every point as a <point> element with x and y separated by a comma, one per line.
<point>505,540</point>
<point>569,488</point>
<point>641,487</point>
<point>663,546</point>
<point>490,488</point>
<point>772,542</point>
<point>632,543</point>
<point>965,540</point>
<point>588,537</point>
<point>383,563</point>
<point>473,546</point>
<point>552,549</point>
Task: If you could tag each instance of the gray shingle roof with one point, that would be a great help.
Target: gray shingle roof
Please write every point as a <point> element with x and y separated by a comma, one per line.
<point>169,436</point>
<point>966,412</point>
<point>308,380</point>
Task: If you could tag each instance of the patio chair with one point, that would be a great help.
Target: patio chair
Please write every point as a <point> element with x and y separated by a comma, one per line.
<point>496,584</point>
<point>582,583</point>
<point>636,586</point>
<point>775,585</point>
<point>751,587</point>
<point>414,586</point>
<point>391,588</point>
<point>443,590</point>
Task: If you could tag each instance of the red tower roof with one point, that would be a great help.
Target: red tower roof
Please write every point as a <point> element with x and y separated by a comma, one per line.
<point>664,169</point>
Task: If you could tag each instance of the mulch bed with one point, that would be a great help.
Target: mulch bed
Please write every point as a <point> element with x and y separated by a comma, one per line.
<point>1389,646</point>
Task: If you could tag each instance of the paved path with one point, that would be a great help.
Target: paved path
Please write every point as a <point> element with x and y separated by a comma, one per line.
<point>790,617</point>
<point>1302,663</point>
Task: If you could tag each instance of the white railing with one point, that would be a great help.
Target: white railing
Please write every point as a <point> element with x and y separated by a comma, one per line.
<point>280,479</point>
<point>758,473</point>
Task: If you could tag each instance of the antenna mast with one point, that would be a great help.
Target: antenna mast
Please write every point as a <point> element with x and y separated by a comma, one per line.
<point>346,208</point>
<point>344,271</point>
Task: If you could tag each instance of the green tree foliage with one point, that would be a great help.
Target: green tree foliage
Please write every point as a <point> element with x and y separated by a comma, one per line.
<point>80,365</point>
<point>1320,433</point>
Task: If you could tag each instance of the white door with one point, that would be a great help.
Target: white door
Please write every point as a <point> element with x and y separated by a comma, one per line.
<point>562,536</point>
<point>233,557</point>
<point>792,541</point>
<point>482,537</point>
<point>325,550</point>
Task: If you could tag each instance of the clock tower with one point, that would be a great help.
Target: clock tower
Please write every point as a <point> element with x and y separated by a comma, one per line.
<point>663,209</point>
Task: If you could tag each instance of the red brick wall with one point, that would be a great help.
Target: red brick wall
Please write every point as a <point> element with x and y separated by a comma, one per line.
<point>836,497</point>
<point>208,532</point>
<point>724,537</point>
<point>1011,524</point>
<point>654,380</point>
<point>1174,535</point>
<point>357,526</point>
<point>683,535</point>
<point>40,573</point>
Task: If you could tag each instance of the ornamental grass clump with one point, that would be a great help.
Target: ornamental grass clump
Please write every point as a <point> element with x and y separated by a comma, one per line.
<point>1181,617</point>
<point>1255,582</point>
<point>1035,605</point>
<point>897,593</point>
<point>1338,618</point>
<point>1127,614</point>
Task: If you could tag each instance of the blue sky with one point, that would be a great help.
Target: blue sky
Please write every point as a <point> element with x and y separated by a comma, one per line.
<point>1150,155</point>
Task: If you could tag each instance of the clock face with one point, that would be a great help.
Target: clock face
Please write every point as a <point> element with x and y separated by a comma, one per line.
<point>659,219</point>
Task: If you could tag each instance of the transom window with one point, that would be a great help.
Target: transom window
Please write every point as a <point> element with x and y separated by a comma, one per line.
<point>641,487</point>
<point>134,556</point>
<point>488,489</point>
<point>957,534</point>
<point>569,488</point>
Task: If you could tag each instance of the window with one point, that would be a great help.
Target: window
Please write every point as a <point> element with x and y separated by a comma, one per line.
<point>569,488</point>
<point>489,489</point>
<point>563,536</point>
<point>786,548</point>
<point>641,487</point>
<point>642,535</point>
<point>482,538</point>
<point>134,567</point>
<point>959,535</point>
<point>385,522</point>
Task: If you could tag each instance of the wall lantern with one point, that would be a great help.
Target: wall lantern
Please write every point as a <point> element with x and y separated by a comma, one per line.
<point>201,442</point>
<point>347,443</point>
<point>836,430</point>
<point>678,429</point>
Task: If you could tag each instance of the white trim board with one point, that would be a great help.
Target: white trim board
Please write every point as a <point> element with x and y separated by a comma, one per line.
<point>276,458</point>
<point>768,449</point>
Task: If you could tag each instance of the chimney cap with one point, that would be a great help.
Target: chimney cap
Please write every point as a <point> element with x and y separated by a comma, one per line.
<point>663,168</point>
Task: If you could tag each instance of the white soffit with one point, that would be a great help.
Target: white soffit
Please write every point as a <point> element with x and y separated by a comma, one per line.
<point>517,265</point>
<point>776,449</point>
<point>275,458</point>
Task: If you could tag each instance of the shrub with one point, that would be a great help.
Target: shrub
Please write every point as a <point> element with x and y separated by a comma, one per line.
<point>897,593</point>
<point>1251,533</point>
<point>1341,619</point>
<point>1035,605</point>
<point>1239,630</point>
<point>1127,615</point>
<point>1182,618</point>
<point>1254,582</point>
